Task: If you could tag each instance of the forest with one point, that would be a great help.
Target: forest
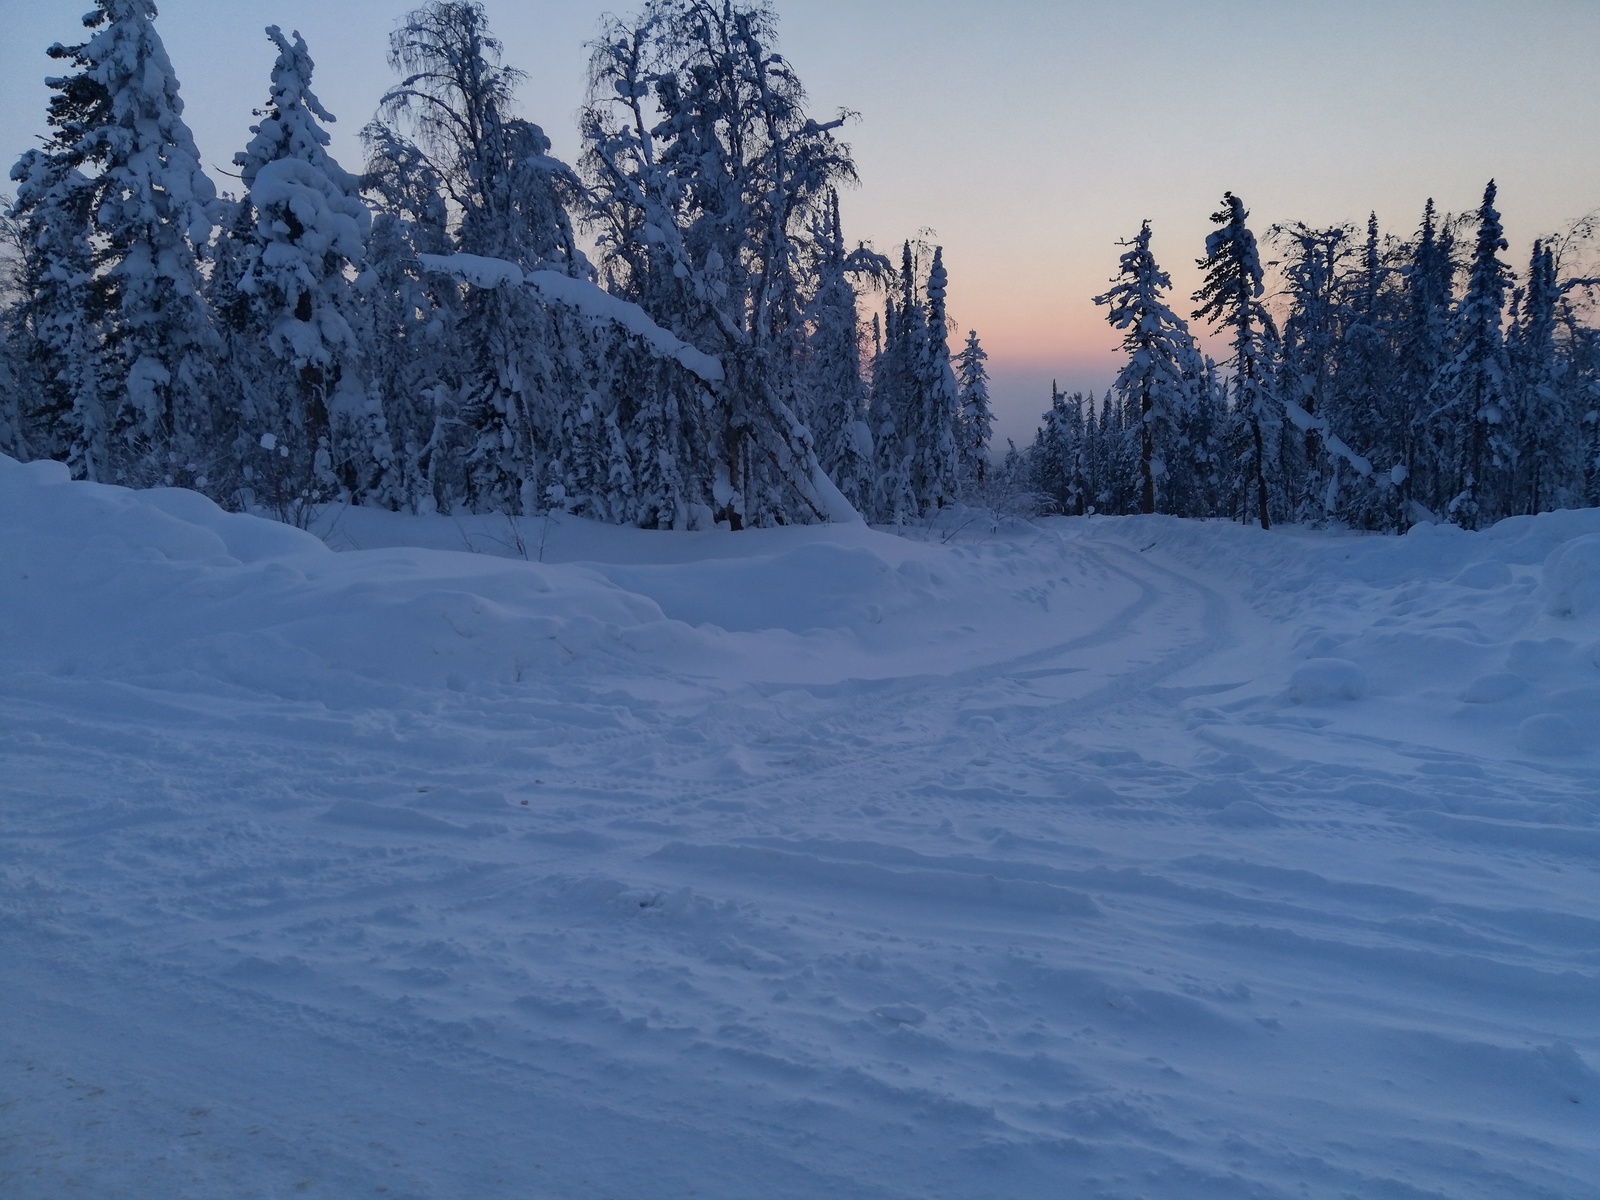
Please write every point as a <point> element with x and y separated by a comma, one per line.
<point>675,332</point>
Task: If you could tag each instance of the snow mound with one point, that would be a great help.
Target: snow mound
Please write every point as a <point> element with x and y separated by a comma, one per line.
<point>1244,814</point>
<point>1327,681</point>
<point>161,586</point>
<point>1553,735</point>
<point>1493,688</point>
<point>812,587</point>
<point>1572,579</point>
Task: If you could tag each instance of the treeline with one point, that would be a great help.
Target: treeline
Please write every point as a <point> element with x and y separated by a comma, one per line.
<point>1388,382</point>
<point>430,335</point>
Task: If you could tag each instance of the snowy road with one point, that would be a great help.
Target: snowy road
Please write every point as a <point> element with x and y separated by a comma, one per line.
<point>1113,858</point>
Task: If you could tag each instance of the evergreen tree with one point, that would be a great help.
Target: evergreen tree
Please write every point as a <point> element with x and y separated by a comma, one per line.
<point>1367,405</point>
<point>1424,348</point>
<point>58,320</point>
<point>1548,454</point>
<point>896,404</point>
<point>12,440</point>
<point>835,396</point>
<point>936,460</point>
<point>977,417</point>
<point>1580,388</point>
<point>1312,334</point>
<point>1199,486</point>
<point>1473,414</point>
<point>1155,382</point>
<point>1230,299</point>
<point>300,260</point>
<point>118,125</point>
<point>1063,453</point>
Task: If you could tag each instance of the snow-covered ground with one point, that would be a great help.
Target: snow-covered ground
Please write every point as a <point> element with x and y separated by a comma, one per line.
<point>1108,858</point>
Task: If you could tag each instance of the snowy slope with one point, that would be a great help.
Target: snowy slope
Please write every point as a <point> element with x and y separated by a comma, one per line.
<point>1114,858</point>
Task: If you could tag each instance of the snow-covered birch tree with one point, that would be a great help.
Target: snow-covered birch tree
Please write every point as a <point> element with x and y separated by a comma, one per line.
<point>707,179</point>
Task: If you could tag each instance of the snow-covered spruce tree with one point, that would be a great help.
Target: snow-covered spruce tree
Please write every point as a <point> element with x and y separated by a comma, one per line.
<point>11,439</point>
<point>1310,365</point>
<point>897,399</point>
<point>891,489</point>
<point>834,395</point>
<point>1157,380</point>
<point>1045,457</point>
<point>1579,380</point>
<point>1422,349</point>
<point>936,461</point>
<point>508,199</point>
<point>59,399</point>
<point>1058,458</point>
<point>118,120</point>
<point>1121,434</point>
<point>1230,299</point>
<point>1197,482</point>
<point>244,363</point>
<point>318,429</point>
<point>1096,455</point>
<point>13,436</point>
<point>977,416</point>
<point>1549,456</point>
<point>1473,412</point>
<point>1312,268</point>
<point>707,182</point>
<point>1011,484</point>
<point>915,406</point>
<point>1582,386</point>
<point>1364,404</point>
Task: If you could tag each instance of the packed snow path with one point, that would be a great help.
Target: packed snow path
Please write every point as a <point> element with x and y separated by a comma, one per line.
<point>1127,858</point>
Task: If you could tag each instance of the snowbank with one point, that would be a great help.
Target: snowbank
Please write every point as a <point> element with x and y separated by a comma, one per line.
<point>1471,643</point>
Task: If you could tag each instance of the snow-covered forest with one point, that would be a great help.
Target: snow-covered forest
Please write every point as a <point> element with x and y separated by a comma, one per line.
<point>665,334</point>
<point>1383,381</point>
<point>676,331</point>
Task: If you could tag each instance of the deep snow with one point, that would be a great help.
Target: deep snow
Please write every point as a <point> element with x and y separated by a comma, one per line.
<point>1105,858</point>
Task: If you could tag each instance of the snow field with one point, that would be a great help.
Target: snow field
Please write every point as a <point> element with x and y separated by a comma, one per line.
<point>1115,858</point>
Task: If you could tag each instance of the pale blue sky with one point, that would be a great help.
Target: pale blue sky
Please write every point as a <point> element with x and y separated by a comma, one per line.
<point>1031,136</point>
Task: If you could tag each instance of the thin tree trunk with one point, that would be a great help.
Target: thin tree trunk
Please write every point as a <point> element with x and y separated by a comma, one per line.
<point>1147,502</point>
<point>1261,474</point>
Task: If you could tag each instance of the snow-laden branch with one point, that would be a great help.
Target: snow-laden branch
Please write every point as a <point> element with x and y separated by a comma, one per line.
<point>1306,423</point>
<point>583,297</point>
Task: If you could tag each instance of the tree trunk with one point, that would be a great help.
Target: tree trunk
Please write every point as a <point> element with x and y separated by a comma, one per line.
<point>1147,500</point>
<point>1261,474</point>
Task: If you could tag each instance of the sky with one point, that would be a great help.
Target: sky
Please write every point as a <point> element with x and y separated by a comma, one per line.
<point>1027,137</point>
